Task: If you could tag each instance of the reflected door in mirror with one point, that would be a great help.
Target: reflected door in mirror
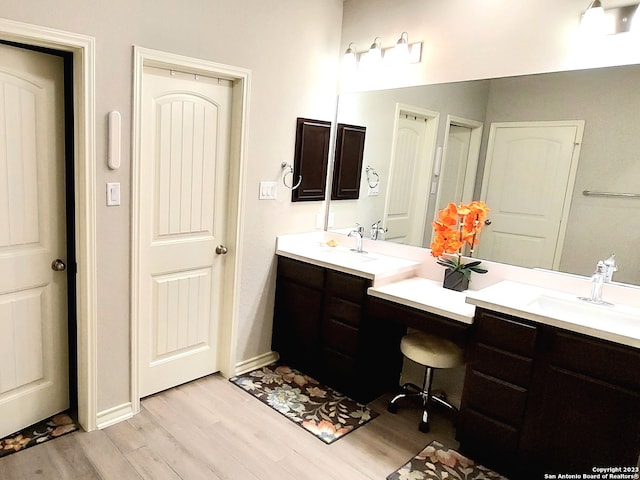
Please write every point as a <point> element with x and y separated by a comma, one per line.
<point>528,183</point>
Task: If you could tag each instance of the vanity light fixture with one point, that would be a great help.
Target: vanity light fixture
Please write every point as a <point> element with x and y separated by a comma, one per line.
<point>597,20</point>
<point>401,53</point>
<point>401,50</point>
<point>374,56</point>
<point>349,60</point>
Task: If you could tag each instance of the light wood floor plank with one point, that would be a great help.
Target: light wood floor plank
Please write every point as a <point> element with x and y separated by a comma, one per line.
<point>210,429</point>
<point>70,459</point>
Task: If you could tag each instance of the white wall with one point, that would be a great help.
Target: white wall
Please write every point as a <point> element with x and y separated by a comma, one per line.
<point>472,39</point>
<point>292,48</point>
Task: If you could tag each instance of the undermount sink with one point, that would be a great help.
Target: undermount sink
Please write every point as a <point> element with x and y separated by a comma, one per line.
<point>338,254</point>
<point>579,311</point>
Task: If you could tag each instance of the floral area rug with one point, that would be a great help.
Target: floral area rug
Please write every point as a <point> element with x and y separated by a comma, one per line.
<point>437,462</point>
<point>41,432</point>
<point>317,408</point>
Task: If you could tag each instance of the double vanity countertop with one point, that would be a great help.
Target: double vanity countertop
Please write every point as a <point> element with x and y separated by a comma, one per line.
<point>403,280</point>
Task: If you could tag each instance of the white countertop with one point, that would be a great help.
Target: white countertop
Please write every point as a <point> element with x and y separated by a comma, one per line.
<point>617,323</point>
<point>375,266</point>
<point>427,295</point>
<point>398,280</point>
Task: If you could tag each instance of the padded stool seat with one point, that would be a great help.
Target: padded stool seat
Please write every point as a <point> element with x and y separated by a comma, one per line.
<point>433,353</point>
<point>430,350</point>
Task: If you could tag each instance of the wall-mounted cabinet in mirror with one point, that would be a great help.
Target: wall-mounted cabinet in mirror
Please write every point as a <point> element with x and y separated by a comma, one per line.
<point>310,161</point>
<point>348,162</point>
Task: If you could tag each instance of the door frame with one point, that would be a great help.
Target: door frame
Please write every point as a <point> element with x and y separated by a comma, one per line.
<point>571,178</point>
<point>235,225</point>
<point>82,48</point>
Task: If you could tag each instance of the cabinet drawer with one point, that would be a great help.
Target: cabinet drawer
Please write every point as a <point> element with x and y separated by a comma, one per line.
<point>300,272</point>
<point>344,310</point>
<point>506,334</point>
<point>484,436</point>
<point>611,363</point>
<point>346,286</point>
<point>340,336</point>
<point>504,365</point>
<point>338,367</point>
<point>495,398</point>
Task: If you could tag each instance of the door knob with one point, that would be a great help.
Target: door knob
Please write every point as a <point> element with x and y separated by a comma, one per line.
<point>221,250</point>
<point>58,265</point>
<point>487,221</point>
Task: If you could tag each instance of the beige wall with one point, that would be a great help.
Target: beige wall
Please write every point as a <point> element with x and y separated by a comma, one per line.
<point>290,46</point>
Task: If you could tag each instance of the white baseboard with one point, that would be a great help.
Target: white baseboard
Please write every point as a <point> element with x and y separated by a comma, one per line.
<point>114,415</point>
<point>256,362</point>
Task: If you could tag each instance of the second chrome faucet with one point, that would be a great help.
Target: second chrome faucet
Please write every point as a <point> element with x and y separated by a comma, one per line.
<point>358,232</point>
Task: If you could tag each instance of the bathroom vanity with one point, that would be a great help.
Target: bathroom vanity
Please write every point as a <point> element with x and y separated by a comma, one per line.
<point>550,386</point>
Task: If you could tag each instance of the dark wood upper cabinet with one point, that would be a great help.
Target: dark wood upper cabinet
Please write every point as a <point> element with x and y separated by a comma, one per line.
<point>310,161</point>
<point>348,162</point>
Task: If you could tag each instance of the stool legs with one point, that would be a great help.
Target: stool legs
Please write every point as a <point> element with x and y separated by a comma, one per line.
<point>411,390</point>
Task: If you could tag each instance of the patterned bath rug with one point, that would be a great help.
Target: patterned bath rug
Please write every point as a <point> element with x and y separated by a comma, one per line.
<point>437,462</point>
<point>41,432</point>
<point>317,408</point>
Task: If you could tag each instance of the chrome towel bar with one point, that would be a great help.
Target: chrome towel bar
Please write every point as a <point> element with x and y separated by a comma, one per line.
<point>589,193</point>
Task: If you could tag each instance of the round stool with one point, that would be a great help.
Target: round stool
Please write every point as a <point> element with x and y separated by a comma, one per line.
<point>433,353</point>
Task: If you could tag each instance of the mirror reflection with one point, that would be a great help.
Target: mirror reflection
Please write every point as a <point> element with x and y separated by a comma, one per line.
<point>529,146</point>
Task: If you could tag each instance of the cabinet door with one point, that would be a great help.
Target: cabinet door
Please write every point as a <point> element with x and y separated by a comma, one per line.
<point>587,409</point>
<point>586,422</point>
<point>310,161</point>
<point>296,328</point>
<point>348,162</point>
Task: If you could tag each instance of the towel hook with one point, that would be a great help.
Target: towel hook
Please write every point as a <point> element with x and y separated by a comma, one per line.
<point>372,172</point>
<point>284,166</point>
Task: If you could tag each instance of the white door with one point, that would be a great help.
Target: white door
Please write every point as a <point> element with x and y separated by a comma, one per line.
<point>408,194</point>
<point>34,381</point>
<point>528,183</point>
<point>454,168</point>
<point>183,205</point>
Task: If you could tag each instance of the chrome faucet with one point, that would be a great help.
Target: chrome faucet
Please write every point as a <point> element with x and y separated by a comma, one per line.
<point>597,283</point>
<point>358,232</point>
<point>376,230</point>
<point>610,267</point>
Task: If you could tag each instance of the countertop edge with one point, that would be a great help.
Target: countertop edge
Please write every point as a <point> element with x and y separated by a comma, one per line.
<point>556,322</point>
<point>421,306</point>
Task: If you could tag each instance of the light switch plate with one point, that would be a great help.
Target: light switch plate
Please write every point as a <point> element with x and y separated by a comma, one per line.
<point>113,194</point>
<point>267,191</point>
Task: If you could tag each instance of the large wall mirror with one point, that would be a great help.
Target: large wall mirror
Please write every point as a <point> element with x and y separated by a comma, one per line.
<point>461,125</point>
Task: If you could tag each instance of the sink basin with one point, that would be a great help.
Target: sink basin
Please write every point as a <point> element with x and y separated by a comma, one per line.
<point>343,255</point>
<point>582,312</point>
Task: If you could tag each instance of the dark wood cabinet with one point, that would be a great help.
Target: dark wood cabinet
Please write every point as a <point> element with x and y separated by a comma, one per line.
<point>311,159</point>
<point>586,410</point>
<point>347,168</point>
<point>538,399</point>
<point>321,328</point>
